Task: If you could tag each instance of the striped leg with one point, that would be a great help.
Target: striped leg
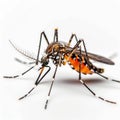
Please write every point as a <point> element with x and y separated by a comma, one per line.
<point>83,83</point>
<point>53,79</point>
<point>15,76</point>
<point>95,93</point>
<point>37,81</point>
<point>107,78</point>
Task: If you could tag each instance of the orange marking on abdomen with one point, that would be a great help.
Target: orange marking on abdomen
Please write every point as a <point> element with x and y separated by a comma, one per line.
<point>76,64</point>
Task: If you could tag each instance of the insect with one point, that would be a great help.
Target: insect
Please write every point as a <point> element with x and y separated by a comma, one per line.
<point>61,53</point>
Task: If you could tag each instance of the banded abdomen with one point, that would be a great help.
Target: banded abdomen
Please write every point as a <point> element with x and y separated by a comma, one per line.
<point>80,65</point>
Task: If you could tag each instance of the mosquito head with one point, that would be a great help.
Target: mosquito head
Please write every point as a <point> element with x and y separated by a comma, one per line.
<point>44,60</point>
<point>55,51</point>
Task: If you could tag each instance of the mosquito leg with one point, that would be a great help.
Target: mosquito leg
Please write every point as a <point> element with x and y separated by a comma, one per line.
<point>83,83</point>
<point>37,81</point>
<point>80,64</point>
<point>78,44</point>
<point>85,49</point>
<point>33,87</point>
<point>55,38</point>
<point>53,79</point>
<point>71,38</point>
<point>24,62</point>
<point>86,54</point>
<point>42,34</point>
<point>95,93</point>
<point>15,76</point>
<point>107,78</point>
<point>74,49</point>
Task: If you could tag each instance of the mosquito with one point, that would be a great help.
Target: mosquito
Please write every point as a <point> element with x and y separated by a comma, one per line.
<point>61,53</point>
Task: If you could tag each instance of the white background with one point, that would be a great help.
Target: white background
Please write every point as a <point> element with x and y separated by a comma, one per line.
<point>21,21</point>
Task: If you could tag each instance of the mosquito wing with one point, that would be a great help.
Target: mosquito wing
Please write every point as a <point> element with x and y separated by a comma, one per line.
<point>94,57</point>
<point>98,58</point>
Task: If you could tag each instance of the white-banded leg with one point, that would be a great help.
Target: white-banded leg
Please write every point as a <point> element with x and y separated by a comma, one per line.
<point>53,79</point>
<point>37,81</point>
<point>83,83</point>
<point>15,76</point>
<point>107,78</point>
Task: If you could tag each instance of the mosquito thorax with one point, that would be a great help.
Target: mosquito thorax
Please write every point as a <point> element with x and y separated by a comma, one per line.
<point>55,47</point>
<point>56,51</point>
